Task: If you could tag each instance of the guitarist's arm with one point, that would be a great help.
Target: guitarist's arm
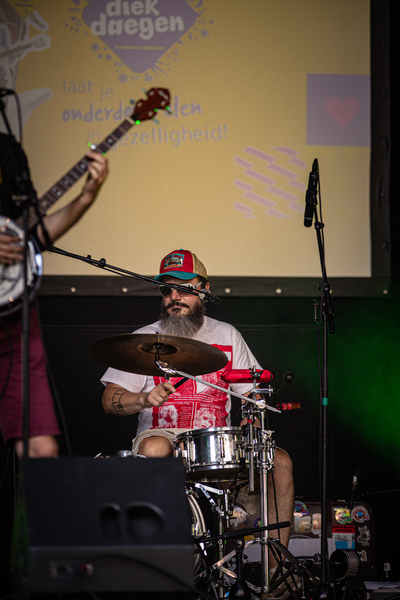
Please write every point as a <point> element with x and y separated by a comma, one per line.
<point>60,221</point>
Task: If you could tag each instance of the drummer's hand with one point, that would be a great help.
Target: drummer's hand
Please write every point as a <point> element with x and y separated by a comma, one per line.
<point>158,395</point>
<point>10,249</point>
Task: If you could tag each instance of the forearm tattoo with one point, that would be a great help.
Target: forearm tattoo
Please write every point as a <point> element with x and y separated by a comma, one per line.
<point>116,402</point>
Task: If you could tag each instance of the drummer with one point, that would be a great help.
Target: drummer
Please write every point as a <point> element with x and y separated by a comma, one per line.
<point>193,405</point>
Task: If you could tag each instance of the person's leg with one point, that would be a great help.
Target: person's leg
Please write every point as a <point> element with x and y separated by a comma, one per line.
<point>39,446</point>
<point>155,447</point>
<point>282,481</point>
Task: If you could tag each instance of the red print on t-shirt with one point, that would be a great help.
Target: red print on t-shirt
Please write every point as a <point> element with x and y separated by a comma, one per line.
<point>194,405</point>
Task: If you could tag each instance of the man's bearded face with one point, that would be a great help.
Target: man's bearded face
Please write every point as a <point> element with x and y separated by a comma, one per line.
<point>181,315</point>
<point>176,322</point>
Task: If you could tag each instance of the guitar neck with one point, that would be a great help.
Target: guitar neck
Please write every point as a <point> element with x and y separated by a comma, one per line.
<point>72,176</point>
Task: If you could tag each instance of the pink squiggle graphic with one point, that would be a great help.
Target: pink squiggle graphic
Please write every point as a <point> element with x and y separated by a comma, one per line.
<point>278,215</point>
<point>293,153</point>
<point>251,173</point>
<point>293,200</point>
<point>276,168</point>
<point>246,210</point>
<point>249,194</point>
<point>270,183</point>
<point>269,204</point>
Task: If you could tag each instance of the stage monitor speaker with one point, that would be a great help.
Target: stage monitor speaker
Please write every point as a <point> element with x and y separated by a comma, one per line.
<point>115,525</point>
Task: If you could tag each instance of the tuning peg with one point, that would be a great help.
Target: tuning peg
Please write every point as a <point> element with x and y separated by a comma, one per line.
<point>131,101</point>
<point>156,121</point>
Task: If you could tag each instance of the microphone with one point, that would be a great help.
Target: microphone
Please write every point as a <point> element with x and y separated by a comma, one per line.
<point>311,195</point>
<point>288,377</point>
<point>206,296</point>
<point>354,487</point>
<point>6,92</point>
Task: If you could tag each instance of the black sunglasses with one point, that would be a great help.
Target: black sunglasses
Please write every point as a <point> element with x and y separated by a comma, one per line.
<point>167,291</point>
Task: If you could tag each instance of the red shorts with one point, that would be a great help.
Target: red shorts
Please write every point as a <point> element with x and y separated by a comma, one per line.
<point>42,419</point>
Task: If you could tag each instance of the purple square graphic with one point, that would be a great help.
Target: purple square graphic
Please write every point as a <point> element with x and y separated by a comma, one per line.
<point>338,110</point>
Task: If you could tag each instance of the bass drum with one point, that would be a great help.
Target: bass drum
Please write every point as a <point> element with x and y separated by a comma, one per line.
<point>198,522</point>
<point>12,284</point>
<point>198,528</point>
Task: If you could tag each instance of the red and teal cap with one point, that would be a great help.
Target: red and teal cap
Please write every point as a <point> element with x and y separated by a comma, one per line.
<point>182,264</point>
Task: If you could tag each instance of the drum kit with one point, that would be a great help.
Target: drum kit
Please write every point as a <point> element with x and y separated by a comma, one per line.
<point>219,462</point>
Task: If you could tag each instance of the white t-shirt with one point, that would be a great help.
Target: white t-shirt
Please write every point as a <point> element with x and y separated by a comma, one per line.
<point>194,405</point>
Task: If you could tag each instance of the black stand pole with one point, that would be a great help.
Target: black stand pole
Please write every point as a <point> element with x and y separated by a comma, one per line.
<point>25,324</point>
<point>239,589</point>
<point>324,589</point>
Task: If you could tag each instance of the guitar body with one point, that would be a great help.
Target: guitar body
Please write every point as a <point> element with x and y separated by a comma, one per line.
<point>11,276</point>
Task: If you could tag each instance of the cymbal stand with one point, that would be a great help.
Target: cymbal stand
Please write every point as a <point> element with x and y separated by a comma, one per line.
<point>264,450</point>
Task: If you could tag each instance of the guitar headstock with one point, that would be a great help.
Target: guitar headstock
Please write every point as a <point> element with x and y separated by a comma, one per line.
<point>157,99</point>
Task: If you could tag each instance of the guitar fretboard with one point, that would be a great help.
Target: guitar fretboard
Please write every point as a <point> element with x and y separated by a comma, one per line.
<point>72,176</point>
<point>157,98</point>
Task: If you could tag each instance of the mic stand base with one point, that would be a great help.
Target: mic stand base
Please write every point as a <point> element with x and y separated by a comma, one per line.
<point>323,591</point>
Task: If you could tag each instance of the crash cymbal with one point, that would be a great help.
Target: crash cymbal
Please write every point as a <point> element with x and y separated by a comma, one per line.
<point>135,353</point>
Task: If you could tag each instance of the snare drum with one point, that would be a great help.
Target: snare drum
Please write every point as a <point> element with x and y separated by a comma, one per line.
<point>213,454</point>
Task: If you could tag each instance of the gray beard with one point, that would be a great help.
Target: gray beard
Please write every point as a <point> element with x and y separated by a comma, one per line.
<point>180,325</point>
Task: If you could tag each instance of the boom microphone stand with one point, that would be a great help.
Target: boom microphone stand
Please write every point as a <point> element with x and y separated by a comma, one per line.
<point>204,294</point>
<point>323,590</point>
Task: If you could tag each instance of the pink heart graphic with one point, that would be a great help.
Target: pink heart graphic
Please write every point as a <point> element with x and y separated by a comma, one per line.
<point>342,111</point>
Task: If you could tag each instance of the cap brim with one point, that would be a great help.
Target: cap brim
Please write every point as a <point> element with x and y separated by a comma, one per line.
<point>177,274</point>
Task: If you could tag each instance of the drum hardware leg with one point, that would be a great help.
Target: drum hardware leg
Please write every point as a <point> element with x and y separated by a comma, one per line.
<point>251,453</point>
<point>265,534</point>
<point>296,577</point>
<point>265,465</point>
<point>290,573</point>
<point>222,509</point>
<point>214,506</point>
<point>240,589</point>
<point>208,573</point>
<point>221,591</point>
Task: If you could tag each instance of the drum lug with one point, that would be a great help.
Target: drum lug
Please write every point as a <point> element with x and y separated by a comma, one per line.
<point>178,453</point>
<point>192,453</point>
<point>221,441</point>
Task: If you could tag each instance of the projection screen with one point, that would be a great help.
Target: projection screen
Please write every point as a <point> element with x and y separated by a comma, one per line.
<point>259,90</point>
